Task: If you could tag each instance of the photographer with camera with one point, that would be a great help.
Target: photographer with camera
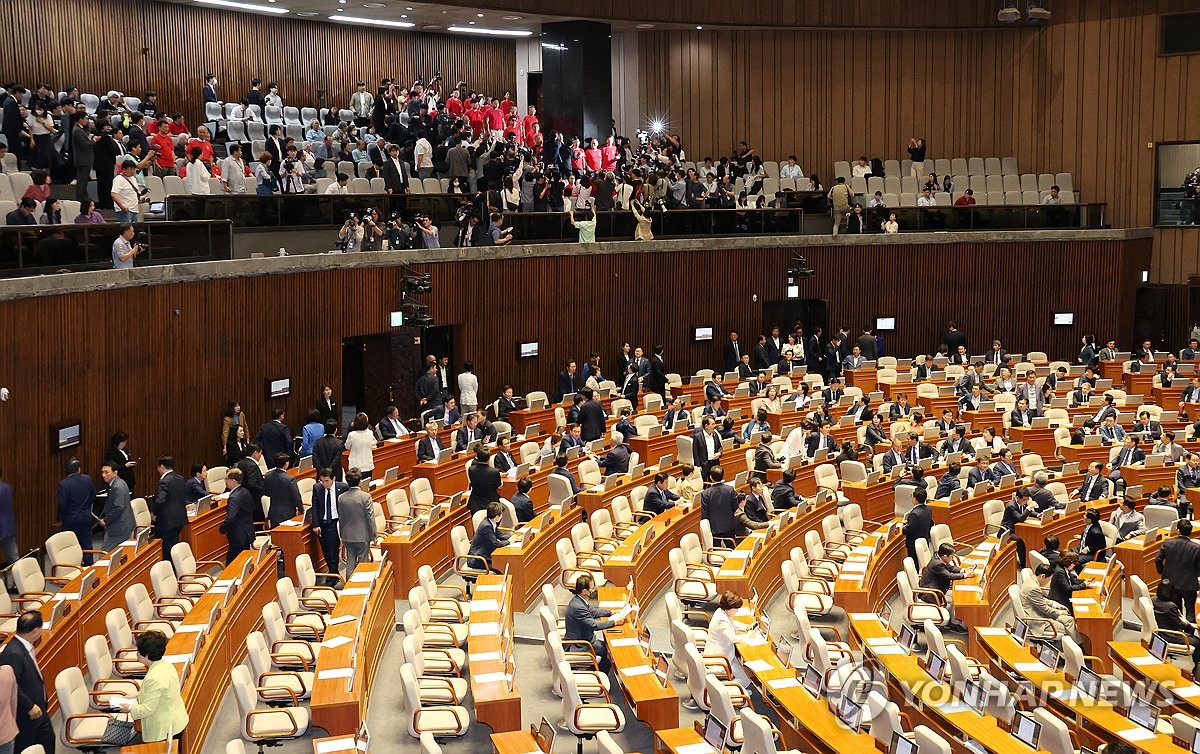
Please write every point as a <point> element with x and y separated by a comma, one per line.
<point>398,235</point>
<point>372,229</point>
<point>427,232</point>
<point>350,237</point>
<point>291,173</point>
<point>124,250</point>
<point>126,193</point>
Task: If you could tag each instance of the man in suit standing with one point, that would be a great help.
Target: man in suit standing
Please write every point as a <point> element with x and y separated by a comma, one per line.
<point>867,345</point>
<point>117,518</point>
<point>568,382</point>
<point>1179,562</point>
<point>732,353</point>
<point>629,386</point>
<point>8,523</point>
<point>170,505</point>
<point>281,488</point>
<point>591,416</point>
<point>656,380</point>
<point>326,406</point>
<point>774,345</point>
<point>395,172</point>
<point>429,446</point>
<point>706,447</point>
<point>484,481</point>
<point>833,357</point>
<point>325,494</point>
<point>76,494</point>
<point>488,537</point>
<point>356,522</point>
<point>33,718</point>
<point>918,522</point>
<point>717,504</point>
<point>274,437</point>
<point>762,357</point>
<point>238,526</point>
<point>327,452</point>
<point>428,389</point>
<point>1032,393</point>
<point>252,477</point>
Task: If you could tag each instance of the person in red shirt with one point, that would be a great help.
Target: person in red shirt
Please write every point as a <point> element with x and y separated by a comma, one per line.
<point>494,117</point>
<point>475,117</point>
<point>164,146</point>
<point>513,132</point>
<point>179,128</point>
<point>527,123</point>
<point>507,105</point>
<point>454,105</point>
<point>578,159</point>
<point>967,199</point>
<point>593,156</point>
<point>608,155</point>
<point>203,141</point>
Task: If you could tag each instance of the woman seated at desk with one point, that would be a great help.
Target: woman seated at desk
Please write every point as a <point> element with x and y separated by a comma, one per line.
<point>724,633</point>
<point>159,703</point>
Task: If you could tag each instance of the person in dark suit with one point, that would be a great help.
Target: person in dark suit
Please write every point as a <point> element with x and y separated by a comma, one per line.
<point>1167,617</point>
<point>503,460</point>
<point>119,457</point>
<point>732,353</point>
<point>252,478</point>
<point>744,370</point>
<point>822,439</point>
<point>429,446</point>
<point>948,482</point>
<point>76,496</point>
<point>467,433</point>
<point>395,172</point>
<point>833,357</point>
<point>447,414</point>
<point>875,433</point>
<point>582,623</point>
<point>484,481</point>
<point>625,358</point>
<point>1021,416</point>
<point>656,380</point>
<point>762,356</point>
<point>560,468</point>
<point>488,537</point>
<point>8,523</point>
<point>521,501</point>
<point>658,497</point>
<point>327,407</point>
<point>706,446</point>
<point>327,452</point>
<point>957,442</point>
<point>676,417</point>
<point>629,383</point>
<point>1129,455</point>
<point>505,403</point>
<point>764,458</point>
<point>1151,429</point>
<point>783,494</point>
<point>197,483</point>
<point>170,505</point>
<point>33,717</point>
<point>617,460</point>
<point>861,411</point>
<point>1092,542</point>
<point>591,417</point>
<point>238,526</point>
<point>429,389</point>
<point>572,438</point>
<point>568,382</point>
<point>117,517</point>
<point>274,146</point>
<point>918,522</point>
<point>953,337</point>
<point>390,425</point>
<point>1016,510</point>
<point>281,488</point>
<point>274,437</point>
<point>1094,486</point>
<point>813,353</point>
<point>325,515</point>
<point>1179,563</point>
<point>857,221</point>
<point>717,504</point>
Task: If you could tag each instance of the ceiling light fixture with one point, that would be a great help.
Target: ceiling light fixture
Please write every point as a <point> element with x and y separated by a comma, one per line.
<point>645,26</point>
<point>244,6</point>
<point>511,18</point>
<point>1037,11</point>
<point>1009,13</point>
<point>306,13</point>
<point>374,5</point>
<point>373,21</point>
<point>479,15</point>
<point>490,32</point>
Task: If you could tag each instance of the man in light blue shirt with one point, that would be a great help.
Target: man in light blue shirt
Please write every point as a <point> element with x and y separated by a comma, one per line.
<point>124,250</point>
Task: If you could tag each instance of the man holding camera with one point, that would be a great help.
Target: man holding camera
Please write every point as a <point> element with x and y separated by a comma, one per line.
<point>127,194</point>
<point>124,250</point>
<point>351,235</point>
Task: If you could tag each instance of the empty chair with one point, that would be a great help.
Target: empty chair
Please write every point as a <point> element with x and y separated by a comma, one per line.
<point>891,167</point>
<point>585,720</point>
<point>1045,181</point>
<point>940,166</point>
<point>976,166</point>
<point>359,186</point>
<point>64,556</point>
<point>1030,197</point>
<point>169,601</point>
<point>588,679</point>
<point>1029,182</point>
<point>438,633</point>
<point>192,580</point>
<point>1008,166</point>
<point>83,728</point>
<point>317,597</point>
<point>1064,182</point>
<point>891,199</point>
<point>689,584</point>
<point>994,183</point>
<point>121,644</point>
<point>991,166</point>
<point>908,199</point>
<point>909,185</point>
<point>841,169</point>
<point>266,727</point>
<point>978,183</point>
<point>1012,183</point>
<point>891,183</point>
<point>1013,198</point>
<point>874,183</point>
<point>573,565</point>
<point>959,166</point>
<point>858,185</point>
<point>434,687</point>
<point>444,608</point>
<point>143,612</point>
<point>275,685</point>
<point>301,623</point>
<point>757,736</point>
<point>995,198</point>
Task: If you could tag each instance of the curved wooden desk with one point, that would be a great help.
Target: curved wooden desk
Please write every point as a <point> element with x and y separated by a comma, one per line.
<point>431,546</point>
<point>871,576</point>
<point>652,703</point>
<point>650,566</point>
<point>534,562</point>
<point>359,627</point>
<point>494,691</point>
<point>1175,688</point>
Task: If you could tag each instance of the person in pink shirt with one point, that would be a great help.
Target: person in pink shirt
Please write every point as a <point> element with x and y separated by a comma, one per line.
<point>608,155</point>
<point>528,122</point>
<point>592,155</point>
<point>578,160</point>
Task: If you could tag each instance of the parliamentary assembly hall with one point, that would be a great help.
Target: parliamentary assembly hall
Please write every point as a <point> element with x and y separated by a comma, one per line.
<point>599,377</point>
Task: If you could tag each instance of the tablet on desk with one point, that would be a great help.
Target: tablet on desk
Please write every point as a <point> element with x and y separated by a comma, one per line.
<point>901,745</point>
<point>714,732</point>
<point>443,455</point>
<point>1026,730</point>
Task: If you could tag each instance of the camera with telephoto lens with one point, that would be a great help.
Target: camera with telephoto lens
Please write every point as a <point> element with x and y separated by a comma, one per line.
<point>142,239</point>
<point>288,165</point>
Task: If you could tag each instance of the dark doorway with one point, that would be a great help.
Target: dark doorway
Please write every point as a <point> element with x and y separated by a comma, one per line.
<point>811,312</point>
<point>533,91</point>
<point>370,366</point>
<point>1150,317</point>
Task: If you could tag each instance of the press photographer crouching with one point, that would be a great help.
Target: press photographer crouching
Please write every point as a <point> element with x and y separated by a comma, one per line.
<point>370,233</point>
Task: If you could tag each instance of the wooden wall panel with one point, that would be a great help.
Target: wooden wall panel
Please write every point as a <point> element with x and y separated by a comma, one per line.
<point>1083,95</point>
<point>183,42</point>
<point>160,361</point>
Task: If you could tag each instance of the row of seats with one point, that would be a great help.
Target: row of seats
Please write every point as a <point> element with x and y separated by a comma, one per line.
<point>955,166</point>
<point>978,183</point>
<point>992,198</point>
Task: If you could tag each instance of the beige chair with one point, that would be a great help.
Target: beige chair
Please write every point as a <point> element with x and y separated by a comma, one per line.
<point>214,481</point>
<point>572,565</point>
<point>121,643</point>
<point>585,720</point>
<point>265,727</point>
<point>454,608</point>
<point>914,612</point>
<point>317,597</point>
<point>440,659</point>
<point>590,682</point>
<point>725,699</point>
<point>142,519</point>
<point>437,633</point>
<point>64,557</point>
<point>287,653</point>
<point>697,634</point>
<point>100,672</point>
<point>274,684</point>
<point>758,736</point>
<point>144,612</point>
<point>438,721</point>
<point>435,688</point>
<point>169,600</point>
<point>693,583</point>
<point>585,543</point>
<point>31,584</point>
<point>192,580</point>
<point>80,729</point>
<point>812,595</point>
<point>468,567</point>
<point>420,495</point>
<point>300,619</point>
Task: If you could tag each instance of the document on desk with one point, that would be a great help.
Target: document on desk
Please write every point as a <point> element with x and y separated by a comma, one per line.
<point>638,670</point>
<point>291,522</point>
<point>358,591</point>
<point>1144,660</point>
<point>628,641</point>
<point>341,619</point>
<point>1030,667</point>
<point>191,628</point>
<point>484,629</point>
<point>1187,692</point>
<point>990,631</point>
<point>484,606</point>
<point>753,640</point>
<point>492,678</point>
<point>484,657</point>
<point>759,666</point>
<point>342,743</point>
<point>66,596</point>
<point>855,566</point>
<point>366,576</point>
<point>889,649</point>
<point>620,559</point>
<point>336,641</point>
<point>700,748</point>
<point>612,604</point>
<point>1136,734</point>
<point>489,588</point>
<point>783,683</point>
<point>335,673</point>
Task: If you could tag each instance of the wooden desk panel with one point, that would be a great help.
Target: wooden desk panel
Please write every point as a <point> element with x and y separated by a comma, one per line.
<point>531,564</point>
<point>1112,370</point>
<point>592,500</point>
<point>764,572</point>
<point>339,705</point>
<point>496,704</point>
<point>654,705</point>
<point>445,478</point>
<point>878,580</point>
<point>866,379</point>
<point>430,547</point>
<point>1150,479</point>
<point>524,418</point>
<point>651,569</point>
<point>1140,383</point>
<point>61,646</point>
<point>1137,559</point>
<point>203,533</point>
<point>1038,440</point>
<point>1085,455</point>
<point>1169,397</point>
<point>1136,663</point>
